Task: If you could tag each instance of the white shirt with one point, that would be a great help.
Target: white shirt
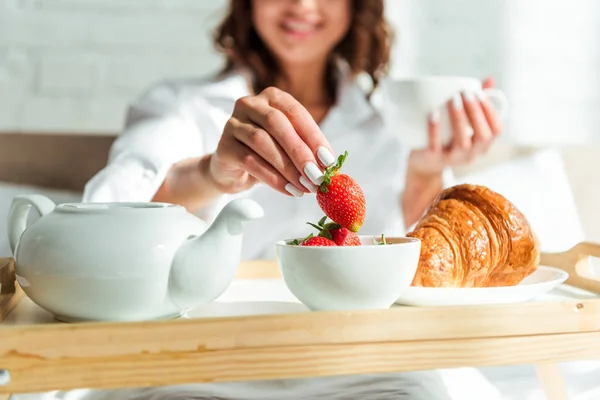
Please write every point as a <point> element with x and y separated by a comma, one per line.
<point>175,120</point>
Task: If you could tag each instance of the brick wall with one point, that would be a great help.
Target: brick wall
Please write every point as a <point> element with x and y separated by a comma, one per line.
<point>72,65</point>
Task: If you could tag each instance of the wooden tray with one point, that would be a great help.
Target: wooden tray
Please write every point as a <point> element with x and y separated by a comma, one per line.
<point>40,354</point>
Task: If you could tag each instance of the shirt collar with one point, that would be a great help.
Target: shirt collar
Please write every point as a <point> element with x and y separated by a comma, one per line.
<point>352,104</point>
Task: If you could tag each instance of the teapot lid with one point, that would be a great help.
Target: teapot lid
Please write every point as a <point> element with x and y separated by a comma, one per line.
<point>116,207</point>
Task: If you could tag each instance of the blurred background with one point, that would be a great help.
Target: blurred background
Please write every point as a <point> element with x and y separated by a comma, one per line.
<point>72,65</point>
<point>68,69</point>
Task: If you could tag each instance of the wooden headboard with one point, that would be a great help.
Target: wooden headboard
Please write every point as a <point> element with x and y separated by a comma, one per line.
<point>58,161</point>
<point>68,161</point>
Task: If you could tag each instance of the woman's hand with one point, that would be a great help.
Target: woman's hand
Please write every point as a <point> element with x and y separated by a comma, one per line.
<point>467,111</point>
<point>270,138</point>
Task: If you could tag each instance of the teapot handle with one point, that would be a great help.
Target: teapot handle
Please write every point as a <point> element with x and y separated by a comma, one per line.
<point>19,210</point>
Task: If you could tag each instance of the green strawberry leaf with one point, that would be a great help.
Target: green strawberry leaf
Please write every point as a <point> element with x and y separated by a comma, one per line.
<point>383,239</point>
<point>323,228</point>
<point>331,171</point>
<point>326,234</point>
<point>319,228</point>
<point>332,225</point>
<point>297,242</point>
<point>378,243</point>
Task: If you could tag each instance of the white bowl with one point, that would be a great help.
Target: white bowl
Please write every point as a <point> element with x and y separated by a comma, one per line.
<point>349,277</point>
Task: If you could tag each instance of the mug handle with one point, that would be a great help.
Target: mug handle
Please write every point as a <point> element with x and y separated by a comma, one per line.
<point>500,99</point>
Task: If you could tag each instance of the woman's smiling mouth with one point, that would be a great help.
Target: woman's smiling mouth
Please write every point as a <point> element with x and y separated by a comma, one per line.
<point>300,29</point>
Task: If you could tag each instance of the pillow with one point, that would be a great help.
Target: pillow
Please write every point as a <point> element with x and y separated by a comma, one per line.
<point>538,186</point>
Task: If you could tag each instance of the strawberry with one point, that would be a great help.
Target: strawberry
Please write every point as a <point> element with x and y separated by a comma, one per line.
<point>341,198</point>
<point>344,237</point>
<point>311,240</point>
<point>341,236</point>
<point>318,241</point>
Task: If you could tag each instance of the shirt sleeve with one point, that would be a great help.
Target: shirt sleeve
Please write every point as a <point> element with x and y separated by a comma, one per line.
<point>158,133</point>
<point>448,181</point>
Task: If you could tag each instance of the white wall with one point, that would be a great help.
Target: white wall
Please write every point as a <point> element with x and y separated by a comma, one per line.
<point>72,65</point>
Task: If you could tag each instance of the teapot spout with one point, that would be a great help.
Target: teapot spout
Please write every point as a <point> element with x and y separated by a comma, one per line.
<point>204,266</point>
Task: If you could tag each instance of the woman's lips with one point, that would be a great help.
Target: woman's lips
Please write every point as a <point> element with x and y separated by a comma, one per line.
<point>300,29</point>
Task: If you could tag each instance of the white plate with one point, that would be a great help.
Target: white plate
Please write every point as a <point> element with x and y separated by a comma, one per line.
<point>543,280</point>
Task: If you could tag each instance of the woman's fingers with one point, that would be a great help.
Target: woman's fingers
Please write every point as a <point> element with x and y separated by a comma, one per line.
<point>295,157</point>
<point>303,124</point>
<point>482,135</point>
<point>264,145</point>
<point>283,133</point>
<point>492,117</point>
<point>284,119</point>
<point>256,166</point>
<point>488,82</point>
<point>461,138</point>
<point>433,127</point>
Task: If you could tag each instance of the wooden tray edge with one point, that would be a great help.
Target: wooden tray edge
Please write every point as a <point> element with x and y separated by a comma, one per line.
<point>258,269</point>
<point>169,367</point>
<point>575,262</point>
<point>568,316</point>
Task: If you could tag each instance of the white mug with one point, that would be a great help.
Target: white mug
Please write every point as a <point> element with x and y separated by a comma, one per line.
<point>411,101</point>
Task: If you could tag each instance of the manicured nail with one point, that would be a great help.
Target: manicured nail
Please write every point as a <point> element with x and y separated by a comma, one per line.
<point>293,190</point>
<point>481,95</point>
<point>434,116</point>
<point>469,96</point>
<point>325,156</point>
<point>457,103</point>
<point>308,185</point>
<point>314,173</point>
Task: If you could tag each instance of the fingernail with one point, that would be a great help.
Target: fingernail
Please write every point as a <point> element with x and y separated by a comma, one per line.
<point>314,173</point>
<point>293,190</point>
<point>434,116</point>
<point>481,95</point>
<point>308,185</point>
<point>325,156</point>
<point>457,103</point>
<point>469,96</point>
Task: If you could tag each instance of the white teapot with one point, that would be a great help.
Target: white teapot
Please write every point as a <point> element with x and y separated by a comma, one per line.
<point>124,261</point>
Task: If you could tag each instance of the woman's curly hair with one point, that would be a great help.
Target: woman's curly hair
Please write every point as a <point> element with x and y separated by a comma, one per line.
<point>365,48</point>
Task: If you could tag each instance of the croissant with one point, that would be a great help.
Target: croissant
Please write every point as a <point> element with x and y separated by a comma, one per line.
<point>473,237</point>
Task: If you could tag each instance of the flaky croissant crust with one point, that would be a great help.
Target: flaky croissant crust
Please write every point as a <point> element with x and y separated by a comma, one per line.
<point>472,236</point>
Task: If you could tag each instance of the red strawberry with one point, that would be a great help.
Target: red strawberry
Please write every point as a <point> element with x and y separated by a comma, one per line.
<point>317,241</point>
<point>341,236</point>
<point>344,237</point>
<point>341,198</point>
<point>311,240</point>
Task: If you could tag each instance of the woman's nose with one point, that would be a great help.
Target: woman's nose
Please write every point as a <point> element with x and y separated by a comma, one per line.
<point>306,5</point>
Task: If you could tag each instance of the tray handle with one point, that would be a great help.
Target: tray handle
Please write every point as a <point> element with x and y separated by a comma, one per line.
<point>575,262</point>
<point>10,291</point>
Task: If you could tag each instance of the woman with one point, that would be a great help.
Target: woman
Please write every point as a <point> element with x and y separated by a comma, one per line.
<point>287,103</point>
